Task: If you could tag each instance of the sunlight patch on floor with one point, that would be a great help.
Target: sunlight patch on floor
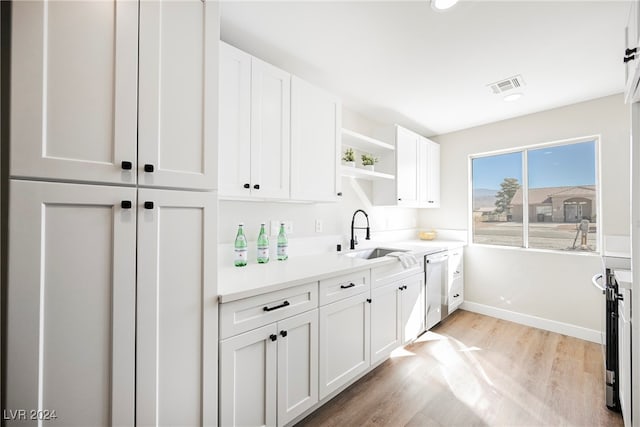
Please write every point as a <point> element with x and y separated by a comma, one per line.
<point>401,352</point>
<point>431,336</point>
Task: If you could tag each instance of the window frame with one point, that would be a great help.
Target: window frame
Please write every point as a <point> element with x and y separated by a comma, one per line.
<point>525,194</point>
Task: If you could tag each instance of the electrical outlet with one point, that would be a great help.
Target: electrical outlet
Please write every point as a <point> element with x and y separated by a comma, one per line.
<point>274,227</point>
<point>288,227</point>
<point>318,226</point>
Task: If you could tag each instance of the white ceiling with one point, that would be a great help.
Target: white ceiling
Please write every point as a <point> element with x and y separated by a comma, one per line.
<point>402,62</point>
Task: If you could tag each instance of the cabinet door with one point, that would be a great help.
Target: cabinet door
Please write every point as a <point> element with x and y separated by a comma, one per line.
<point>297,365</point>
<point>177,308</point>
<point>316,135</point>
<point>413,308</point>
<point>433,175</point>
<point>74,85</point>
<point>344,342</point>
<point>248,378</point>
<point>386,334</point>
<point>270,132</point>
<point>71,302</point>
<point>178,112</point>
<point>234,162</point>
<point>407,167</point>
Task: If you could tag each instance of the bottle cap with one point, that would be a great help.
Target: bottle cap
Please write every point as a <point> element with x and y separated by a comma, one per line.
<point>262,223</point>
<point>241,224</point>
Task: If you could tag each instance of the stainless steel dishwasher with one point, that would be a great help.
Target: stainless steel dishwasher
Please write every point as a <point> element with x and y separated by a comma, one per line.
<point>435,272</point>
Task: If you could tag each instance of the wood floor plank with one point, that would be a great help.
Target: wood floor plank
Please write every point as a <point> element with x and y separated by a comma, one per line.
<point>475,370</point>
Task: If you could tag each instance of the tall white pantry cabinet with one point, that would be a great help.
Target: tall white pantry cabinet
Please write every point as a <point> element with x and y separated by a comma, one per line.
<point>112,294</point>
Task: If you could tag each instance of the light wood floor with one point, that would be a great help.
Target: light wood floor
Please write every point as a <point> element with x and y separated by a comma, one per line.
<point>474,370</point>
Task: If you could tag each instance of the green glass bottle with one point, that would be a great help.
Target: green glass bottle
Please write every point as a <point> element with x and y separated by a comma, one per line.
<point>283,244</point>
<point>263,246</point>
<point>241,249</point>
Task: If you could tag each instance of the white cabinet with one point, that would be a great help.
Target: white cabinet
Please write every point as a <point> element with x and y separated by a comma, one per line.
<point>428,173</point>
<point>71,302</point>
<point>631,53</point>
<point>178,98</point>
<point>248,378</point>
<point>407,160</point>
<point>397,315</point>
<point>315,143</point>
<point>386,332</point>
<point>344,342</point>
<point>412,311</point>
<point>176,352</point>
<point>455,279</point>
<point>73,257</point>
<point>269,375</point>
<point>254,133</point>
<point>75,109</point>
<point>74,90</point>
<point>417,182</point>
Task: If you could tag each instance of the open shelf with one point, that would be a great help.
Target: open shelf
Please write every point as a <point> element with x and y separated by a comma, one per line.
<point>365,174</point>
<point>364,143</point>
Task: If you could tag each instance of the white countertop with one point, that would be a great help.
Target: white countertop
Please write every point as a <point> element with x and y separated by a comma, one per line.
<point>623,277</point>
<point>254,279</point>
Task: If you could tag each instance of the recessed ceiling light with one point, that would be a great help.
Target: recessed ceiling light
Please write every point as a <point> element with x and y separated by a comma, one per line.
<point>512,97</point>
<point>443,4</point>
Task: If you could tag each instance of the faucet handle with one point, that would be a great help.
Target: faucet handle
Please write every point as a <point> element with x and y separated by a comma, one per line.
<point>355,239</point>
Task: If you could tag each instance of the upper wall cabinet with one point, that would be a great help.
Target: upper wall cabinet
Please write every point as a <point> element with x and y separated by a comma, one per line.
<point>417,183</point>
<point>255,108</point>
<point>315,143</point>
<point>74,92</point>
<point>178,107</point>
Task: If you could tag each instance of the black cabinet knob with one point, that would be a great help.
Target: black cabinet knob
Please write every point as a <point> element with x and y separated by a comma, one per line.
<point>247,186</point>
<point>126,165</point>
<point>148,168</point>
<point>256,186</point>
<point>283,333</point>
<point>148,205</point>
<point>628,51</point>
<point>273,337</point>
<point>399,199</point>
<point>125,204</point>
<point>369,300</point>
<point>340,194</point>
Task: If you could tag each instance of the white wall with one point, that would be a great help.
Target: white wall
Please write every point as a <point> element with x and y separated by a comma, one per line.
<point>552,286</point>
<point>336,217</point>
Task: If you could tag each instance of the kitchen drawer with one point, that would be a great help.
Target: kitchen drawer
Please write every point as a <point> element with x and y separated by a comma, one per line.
<point>394,271</point>
<point>250,313</point>
<point>340,287</point>
<point>456,294</point>
<point>456,263</point>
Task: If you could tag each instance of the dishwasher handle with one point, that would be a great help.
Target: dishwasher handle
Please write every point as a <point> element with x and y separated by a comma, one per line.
<point>433,259</point>
<point>594,282</point>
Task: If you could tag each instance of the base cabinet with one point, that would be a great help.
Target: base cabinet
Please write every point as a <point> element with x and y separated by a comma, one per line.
<point>269,375</point>
<point>412,311</point>
<point>386,332</point>
<point>344,342</point>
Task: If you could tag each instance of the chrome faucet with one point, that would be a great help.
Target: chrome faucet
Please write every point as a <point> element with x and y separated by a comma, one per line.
<point>354,238</point>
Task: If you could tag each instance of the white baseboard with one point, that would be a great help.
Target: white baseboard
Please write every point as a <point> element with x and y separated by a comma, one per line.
<point>535,322</point>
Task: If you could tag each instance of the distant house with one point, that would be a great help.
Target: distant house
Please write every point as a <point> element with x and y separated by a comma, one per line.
<point>557,204</point>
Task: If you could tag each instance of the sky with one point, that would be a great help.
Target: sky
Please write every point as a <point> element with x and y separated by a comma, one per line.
<point>564,165</point>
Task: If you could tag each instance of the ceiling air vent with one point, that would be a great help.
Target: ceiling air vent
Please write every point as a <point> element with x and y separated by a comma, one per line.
<point>506,85</point>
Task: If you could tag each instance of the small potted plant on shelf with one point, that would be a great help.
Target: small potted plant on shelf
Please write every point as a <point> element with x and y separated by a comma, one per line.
<point>368,161</point>
<point>349,157</point>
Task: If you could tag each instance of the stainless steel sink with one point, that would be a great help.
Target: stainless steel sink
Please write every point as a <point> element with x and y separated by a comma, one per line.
<point>372,253</point>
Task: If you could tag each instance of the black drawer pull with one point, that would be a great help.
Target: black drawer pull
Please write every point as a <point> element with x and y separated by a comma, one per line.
<point>126,165</point>
<point>283,333</point>
<point>273,337</point>
<point>340,193</point>
<point>126,204</point>
<point>148,205</point>
<point>256,186</point>
<point>247,186</point>
<point>456,295</point>
<point>350,285</point>
<point>401,288</point>
<point>148,168</point>
<point>369,300</point>
<point>284,304</point>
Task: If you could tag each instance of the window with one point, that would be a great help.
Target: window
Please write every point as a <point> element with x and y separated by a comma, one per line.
<point>555,207</point>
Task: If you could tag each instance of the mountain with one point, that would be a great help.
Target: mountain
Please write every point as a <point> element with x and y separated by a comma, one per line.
<point>484,198</point>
